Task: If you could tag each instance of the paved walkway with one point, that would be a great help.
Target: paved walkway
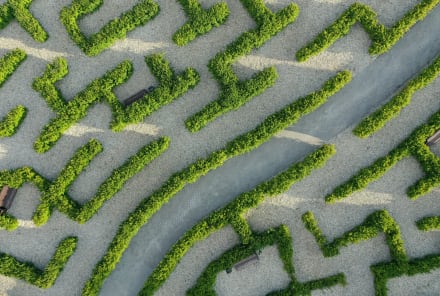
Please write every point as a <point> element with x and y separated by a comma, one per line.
<point>374,85</point>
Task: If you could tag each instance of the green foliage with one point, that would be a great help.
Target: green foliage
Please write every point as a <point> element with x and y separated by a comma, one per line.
<point>100,90</point>
<point>10,124</point>
<point>116,29</point>
<point>382,38</point>
<point>8,222</point>
<point>19,9</point>
<point>232,214</point>
<point>375,223</point>
<point>235,93</point>
<point>10,266</point>
<point>54,194</point>
<point>415,146</point>
<point>200,21</point>
<point>240,145</point>
<point>429,223</point>
<point>9,63</point>
<point>392,108</point>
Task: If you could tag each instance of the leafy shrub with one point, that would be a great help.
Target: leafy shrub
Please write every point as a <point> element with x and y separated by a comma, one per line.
<point>19,9</point>
<point>382,38</point>
<point>54,194</point>
<point>10,62</point>
<point>235,93</point>
<point>8,222</point>
<point>171,86</point>
<point>415,146</point>
<point>240,145</point>
<point>114,30</point>
<point>200,21</point>
<point>392,108</point>
<point>10,266</point>
<point>10,124</point>
<point>429,223</point>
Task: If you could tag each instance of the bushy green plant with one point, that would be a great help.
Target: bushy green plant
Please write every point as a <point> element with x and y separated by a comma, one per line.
<point>116,29</point>
<point>233,92</point>
<point>429,223</point>
<point>12,120</point>
<point>10,62</point>
<point>19,9</point>
<point>101,90</point>
<point>415,146</point>
<point>382,38</point>
<point>8,222</point>
<point>392,108</point>
<point>232,214</point>
<point>240,145</point>
<point>54,194</point>
<point>200,21</point>
<point>10,266</point>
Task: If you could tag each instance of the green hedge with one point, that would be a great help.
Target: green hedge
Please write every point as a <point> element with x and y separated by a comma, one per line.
<point>233,92</point>
<point>415,146</point>
<point>12,121</point>
<point>279,236</point>
<point>429,223</point>
<point>373,225</point>
<point>100,90</point>
<point>382,38</point>
<point>116,29</point>
<point>240,145</point>
<point>19,9</point>
<point>10,266</point>
<point>200,21</point>
<point>8,64</point>
<point>54,194</point>
<point>232,214</point>
<point>392,108</point>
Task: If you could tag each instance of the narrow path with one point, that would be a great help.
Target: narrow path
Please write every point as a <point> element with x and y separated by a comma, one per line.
<point>374,85</point>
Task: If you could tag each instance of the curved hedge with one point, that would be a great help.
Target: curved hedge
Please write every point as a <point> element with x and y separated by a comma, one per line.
<point>54,193</point>
<point>382,38</point>
<point>415,146</point>
<point>116,29</point>
<point>240,145</point>
<point>10,266</point>
<point>101,89</point>
<point>229,214</point>
<point>234,92</point>
<point>392,108</point>
<point>373,225</point>
<point>200,21</point>
<point>19,10</point>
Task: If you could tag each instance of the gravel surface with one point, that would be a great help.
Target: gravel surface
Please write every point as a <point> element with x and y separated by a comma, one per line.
<point>37,245</point>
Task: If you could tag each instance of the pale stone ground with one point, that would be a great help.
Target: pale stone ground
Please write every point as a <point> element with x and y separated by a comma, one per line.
<point>217,188</point>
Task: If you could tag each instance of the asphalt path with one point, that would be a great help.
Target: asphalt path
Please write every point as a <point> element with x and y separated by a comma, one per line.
<point>368,90</point>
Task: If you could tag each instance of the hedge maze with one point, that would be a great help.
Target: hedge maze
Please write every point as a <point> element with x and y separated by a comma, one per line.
<point>234,93</point>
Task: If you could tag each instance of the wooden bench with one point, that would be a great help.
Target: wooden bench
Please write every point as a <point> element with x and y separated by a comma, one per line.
<point>7,195</point>
<point>245,262</point>
<point>140,94</point>
<point>433,139</point>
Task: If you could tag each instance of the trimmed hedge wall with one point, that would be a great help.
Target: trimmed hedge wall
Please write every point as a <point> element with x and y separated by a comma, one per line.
<point>392,108</point>
<point>171,86</point>
<point>279,236</point>
<point>54,194</point>
<point>415,146</point>
<point>240,145</point>
<point>19,9</point>
<point>233,92</point>
<point>200,21</point>
<point>231,214</point>
<point>382,38</point>
<point>116,29</point>
<point>10,266</point>
<point>373,225</point>
<point>8,64</point>
<point>429,223</point>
